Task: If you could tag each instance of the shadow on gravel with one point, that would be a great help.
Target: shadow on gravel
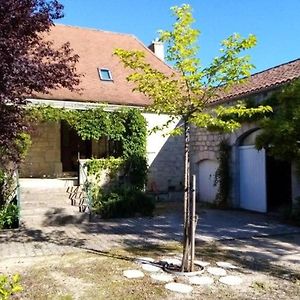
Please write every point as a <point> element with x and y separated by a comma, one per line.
<point>276,256</point>
<point>26,235</point>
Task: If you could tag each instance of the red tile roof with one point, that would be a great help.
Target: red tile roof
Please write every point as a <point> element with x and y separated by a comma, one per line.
<point>264,81</point>
<point>95,49</point>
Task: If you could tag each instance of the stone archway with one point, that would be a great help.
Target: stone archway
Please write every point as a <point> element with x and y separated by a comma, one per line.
<point>264,182</point>
<point>252,177</point>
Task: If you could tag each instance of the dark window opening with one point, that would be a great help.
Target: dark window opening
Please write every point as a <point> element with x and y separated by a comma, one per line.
<point>115,148</point>
<point>73,148</point>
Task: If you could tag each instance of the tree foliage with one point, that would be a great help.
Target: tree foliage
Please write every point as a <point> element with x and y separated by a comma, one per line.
<point>189,90</point>
<point>281,130</point>
<point>29,64</point>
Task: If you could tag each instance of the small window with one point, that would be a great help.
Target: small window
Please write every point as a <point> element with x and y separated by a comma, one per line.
<point>105,74</point>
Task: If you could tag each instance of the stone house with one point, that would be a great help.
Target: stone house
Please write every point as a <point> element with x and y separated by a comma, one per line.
<point>258,182</point>
<point>55,147</point>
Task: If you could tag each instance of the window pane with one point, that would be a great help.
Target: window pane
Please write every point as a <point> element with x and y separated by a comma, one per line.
<point>105,74</point>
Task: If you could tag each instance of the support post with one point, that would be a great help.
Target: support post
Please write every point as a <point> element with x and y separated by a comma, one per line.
<point>193,223</point>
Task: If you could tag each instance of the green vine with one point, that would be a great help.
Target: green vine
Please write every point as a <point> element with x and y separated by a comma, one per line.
<point>281,130</point>
<point>126,126</point>
<point>222,176</point>
<point>111,163</point>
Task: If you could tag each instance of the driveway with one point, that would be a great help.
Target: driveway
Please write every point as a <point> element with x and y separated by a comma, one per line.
<point>103,235</point>
<point>234,224</point>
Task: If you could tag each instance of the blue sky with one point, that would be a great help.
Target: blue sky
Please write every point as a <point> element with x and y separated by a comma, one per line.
<point>276,23</point>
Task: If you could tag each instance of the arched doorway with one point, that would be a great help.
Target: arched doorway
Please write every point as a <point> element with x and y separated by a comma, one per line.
<point>264,182</point>
<point>252,175</point>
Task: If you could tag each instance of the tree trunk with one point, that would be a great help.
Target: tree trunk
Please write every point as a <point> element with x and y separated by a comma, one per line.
<point>189,223</point>
<point>186,220</point>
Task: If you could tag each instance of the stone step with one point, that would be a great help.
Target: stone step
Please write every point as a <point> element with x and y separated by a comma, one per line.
<point>47,183</point>
<point>48,211</point>
<point>45,202</point>
<point>54,220</point>
<point>43,198</point>
<point>41,191</point>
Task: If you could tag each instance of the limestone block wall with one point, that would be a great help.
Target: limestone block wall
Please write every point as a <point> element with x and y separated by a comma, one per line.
<point>43,159</point>
<point>205,145</point>
<point>165,156</point>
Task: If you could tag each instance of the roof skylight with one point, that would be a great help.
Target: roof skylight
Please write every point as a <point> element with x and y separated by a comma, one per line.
<point>105,74</point>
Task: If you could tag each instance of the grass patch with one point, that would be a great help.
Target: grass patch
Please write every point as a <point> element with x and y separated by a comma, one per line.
<point>99,275</point>
<point>87,276</point>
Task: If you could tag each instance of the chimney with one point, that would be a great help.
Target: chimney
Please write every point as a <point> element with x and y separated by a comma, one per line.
<point>157,48</point>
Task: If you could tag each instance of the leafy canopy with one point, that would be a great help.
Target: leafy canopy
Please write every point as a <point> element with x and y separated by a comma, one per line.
<point>281,130</point>
<point>188,91</point>
<point>29,64</point>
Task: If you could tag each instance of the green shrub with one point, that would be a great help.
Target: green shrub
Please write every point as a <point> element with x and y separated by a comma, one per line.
<point>123,202</point>
<point>9,216</point>
<point>9,287</point>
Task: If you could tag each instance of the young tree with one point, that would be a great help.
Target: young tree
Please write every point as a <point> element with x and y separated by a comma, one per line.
<point>188,91</point>
<point>28,64</point>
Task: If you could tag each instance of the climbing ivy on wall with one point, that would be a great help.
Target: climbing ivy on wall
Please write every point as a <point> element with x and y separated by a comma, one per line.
<point>222,176</point>
<point>127,126</point>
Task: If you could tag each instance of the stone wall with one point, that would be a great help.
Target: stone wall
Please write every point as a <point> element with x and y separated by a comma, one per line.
<point>43,159</point>
<point>164,153</point>
<point>205,145</point>
<point>165,156</point>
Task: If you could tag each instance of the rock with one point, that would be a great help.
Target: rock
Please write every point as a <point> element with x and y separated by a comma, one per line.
<point>231,280</point>
<point>225,265</point>
<point>133,274</point>
<point>201,280</point>
<point>150,268</point>
<point>162,277</point>
<point>201,263</point>
<point>179,287</point>
<point>216,271</point>
<point>173,261</point>
<point>145,259</point>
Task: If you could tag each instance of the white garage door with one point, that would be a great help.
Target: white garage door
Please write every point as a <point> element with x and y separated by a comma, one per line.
<point>206,189</point>
<point>253,179</point>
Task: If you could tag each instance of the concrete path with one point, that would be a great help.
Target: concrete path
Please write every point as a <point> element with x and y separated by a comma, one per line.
<point>103,235</point>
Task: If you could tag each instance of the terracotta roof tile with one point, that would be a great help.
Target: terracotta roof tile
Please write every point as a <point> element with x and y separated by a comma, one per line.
<point>95,49</point>
<point>263,81</point>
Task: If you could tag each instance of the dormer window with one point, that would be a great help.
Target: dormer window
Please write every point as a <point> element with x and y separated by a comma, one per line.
<point>105,74</point>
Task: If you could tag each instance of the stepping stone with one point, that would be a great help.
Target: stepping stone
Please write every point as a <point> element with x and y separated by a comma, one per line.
<point>148,259</point>
<point>179,287</point>
<point>173,261</point>
<point>216,271</point>
<point>162,277</point>
<point>201,280</point>
<point>201,263</point>
<point>133,274</point>
<point>150,268</point>
<point>225,265</point>
<point>231,280</point>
